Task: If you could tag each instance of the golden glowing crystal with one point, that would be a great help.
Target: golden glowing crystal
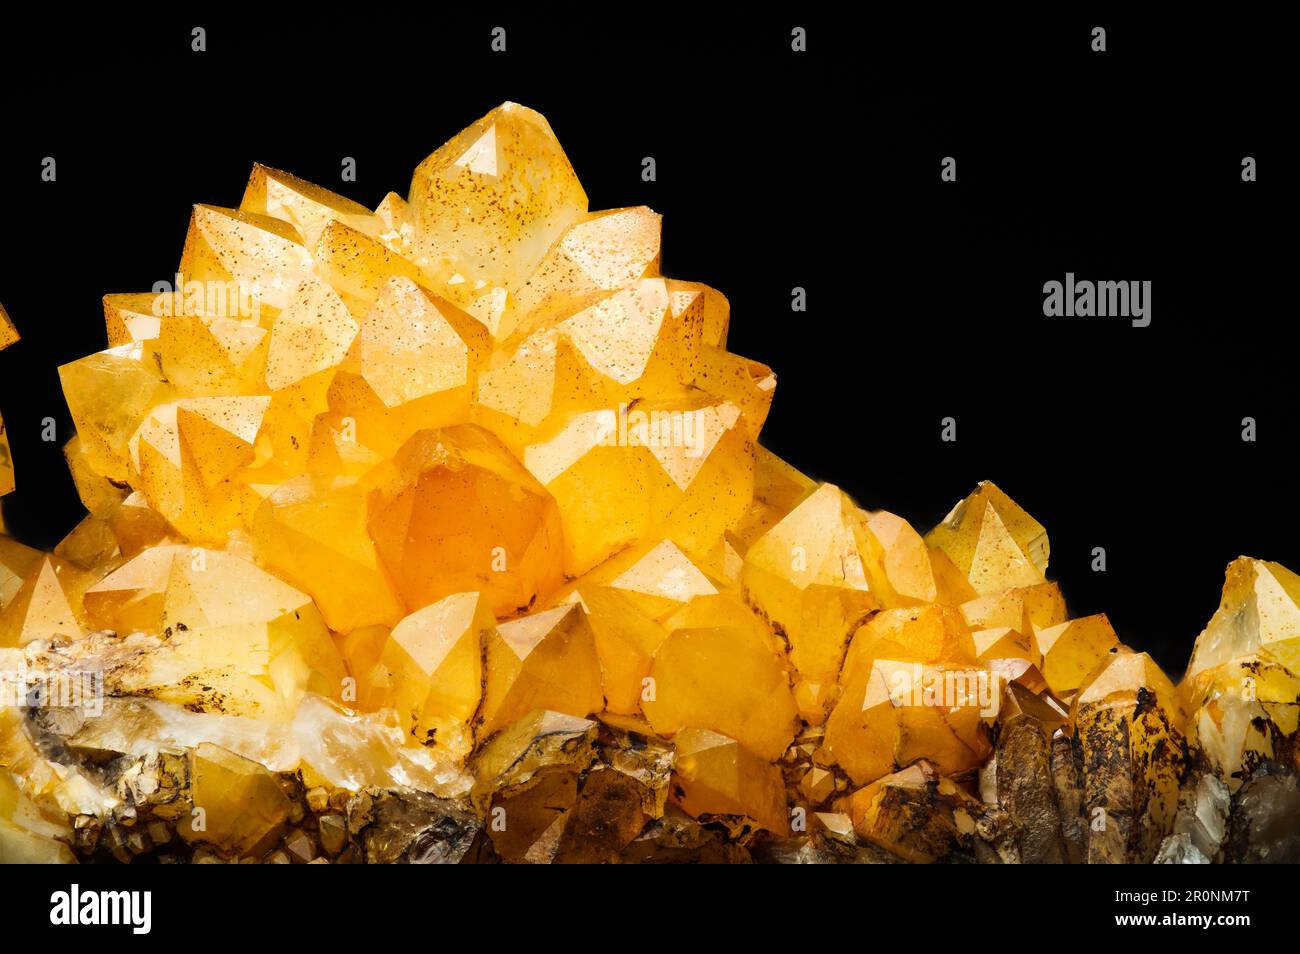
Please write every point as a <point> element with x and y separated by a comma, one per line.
<point>442,533</point>
<point>433,669</point>
<point>716,775</point>
<point>806,575</point>
<point>992,542</point>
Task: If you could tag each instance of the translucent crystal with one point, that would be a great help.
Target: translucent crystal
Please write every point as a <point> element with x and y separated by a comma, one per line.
<point>442,533</point>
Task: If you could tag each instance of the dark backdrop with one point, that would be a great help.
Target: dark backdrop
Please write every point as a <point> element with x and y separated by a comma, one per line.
<point>774,170</point>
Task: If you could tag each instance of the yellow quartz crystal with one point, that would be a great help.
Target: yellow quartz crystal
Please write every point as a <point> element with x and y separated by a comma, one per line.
<point>45,605</point>
<point>1259,613</point>
<point>224,615</point>
<point>544,661</point>
<point>1068,652</point>
<point>434,672</point>
<point>1243,685</point>
<point>17,563</point>
<point>806,576</point>
<point>724,678</point>
<point>456,512</point>
<point>716,775</point>
<point>238,804</point>
<point>911,687</point>
<point>626,642</point>
<point>442,531</point>
<point>489,204</point>
<point>992,542</point>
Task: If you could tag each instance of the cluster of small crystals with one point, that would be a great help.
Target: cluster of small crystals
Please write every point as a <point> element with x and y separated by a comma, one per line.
<point>441,533</point>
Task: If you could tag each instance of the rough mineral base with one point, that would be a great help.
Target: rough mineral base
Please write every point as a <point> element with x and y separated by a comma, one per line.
<point>441,533</point>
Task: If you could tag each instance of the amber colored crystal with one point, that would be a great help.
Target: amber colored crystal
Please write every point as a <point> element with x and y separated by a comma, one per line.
<point>442,533</point>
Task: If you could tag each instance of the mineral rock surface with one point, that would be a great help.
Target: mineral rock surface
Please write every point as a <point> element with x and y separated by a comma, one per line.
<point>441,533</point>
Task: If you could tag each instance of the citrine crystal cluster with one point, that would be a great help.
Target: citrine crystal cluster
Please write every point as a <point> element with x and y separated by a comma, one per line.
<point>442,533</point>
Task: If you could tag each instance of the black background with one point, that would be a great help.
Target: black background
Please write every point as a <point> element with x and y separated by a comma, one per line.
<point>775,169</point>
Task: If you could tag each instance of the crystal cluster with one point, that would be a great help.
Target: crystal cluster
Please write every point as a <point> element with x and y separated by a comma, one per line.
<point>441,533</point>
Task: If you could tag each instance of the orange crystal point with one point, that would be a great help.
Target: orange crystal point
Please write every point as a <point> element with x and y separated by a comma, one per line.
<point>46,605</point>
<point>8,335</point>
<point>1259,613</point>
<point>317,538</point>
<point>109,395</point>
<point>806,576</point>
<point>17,563</point>
<point>627,640</point>
<point>490,203</point>
<point>716,775</point>
<point>433,669</point>
<point>1068,652</point>
<point>307,207</point>
<point>547,660</point>
<point>992,542</point>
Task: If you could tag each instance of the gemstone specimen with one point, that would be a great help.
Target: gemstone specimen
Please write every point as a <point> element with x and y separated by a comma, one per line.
<point>1243,682</point>
<point>442,533</point>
